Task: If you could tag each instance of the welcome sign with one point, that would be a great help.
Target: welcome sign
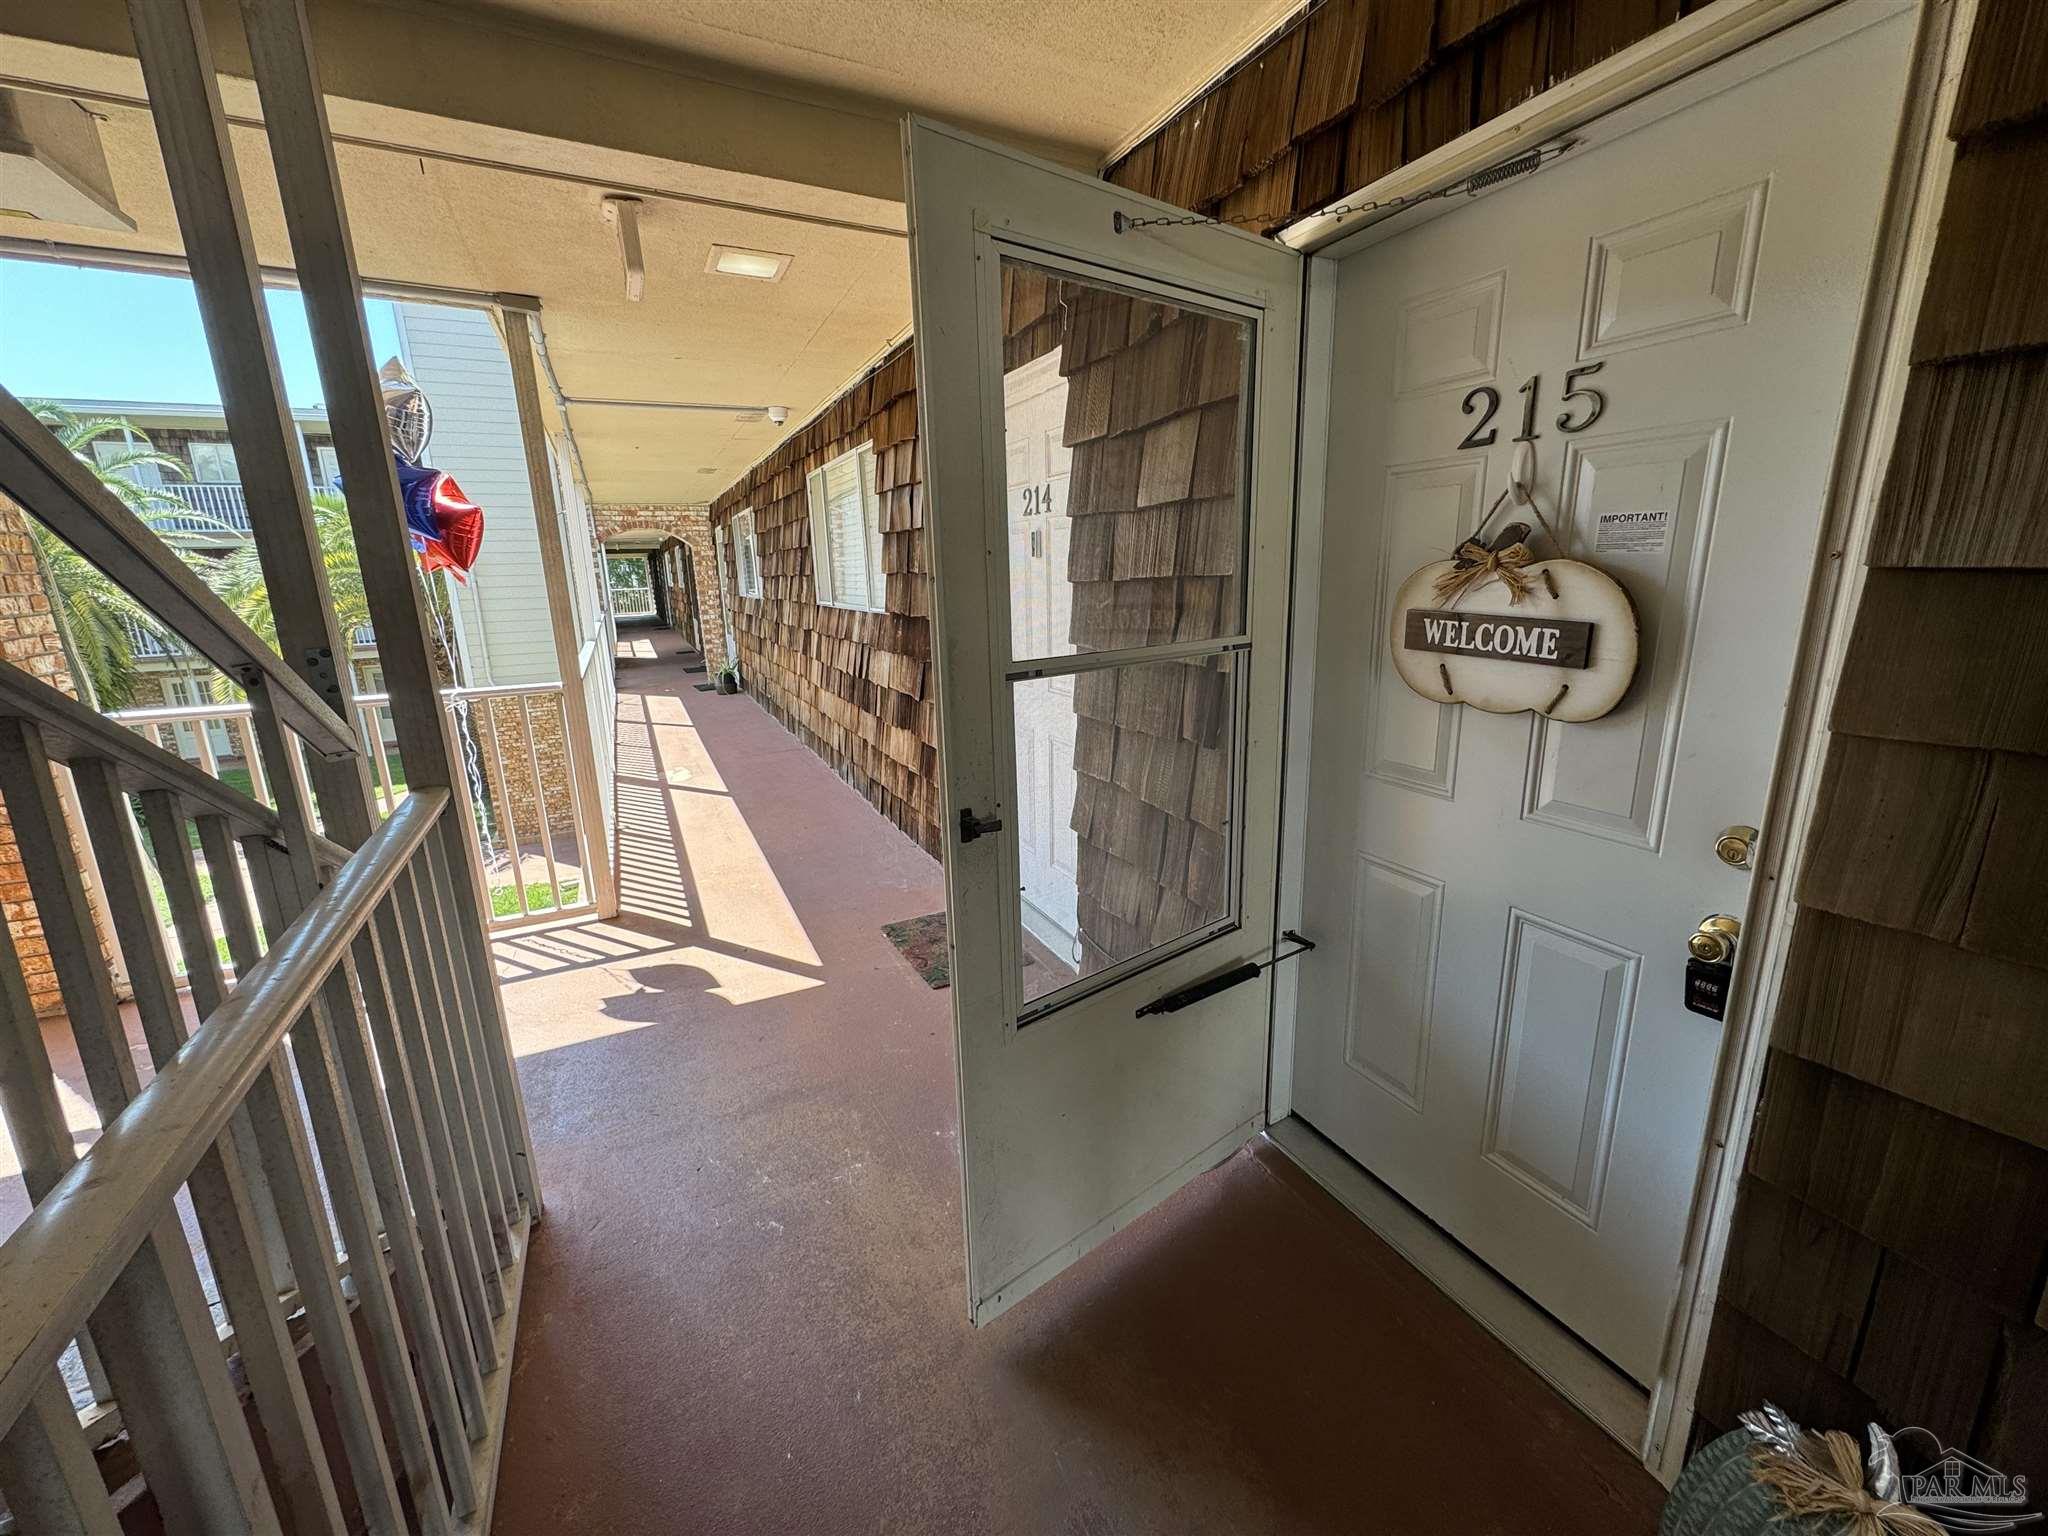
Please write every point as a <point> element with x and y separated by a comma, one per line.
<point>1543,642</point>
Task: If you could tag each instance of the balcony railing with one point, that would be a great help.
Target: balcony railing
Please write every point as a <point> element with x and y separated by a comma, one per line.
<point>631,602</point>
<point>525,805</point>
<point>149,646</point>
<point>212,507</point>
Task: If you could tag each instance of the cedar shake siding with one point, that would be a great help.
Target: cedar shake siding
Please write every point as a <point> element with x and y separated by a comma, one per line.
<point>855,687</point>
<point>1156,536</point>
<point>1355,89</point>
<point>1889,1258</point>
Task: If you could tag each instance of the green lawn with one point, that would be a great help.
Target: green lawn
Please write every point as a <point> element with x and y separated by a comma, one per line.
<point>540,897</point>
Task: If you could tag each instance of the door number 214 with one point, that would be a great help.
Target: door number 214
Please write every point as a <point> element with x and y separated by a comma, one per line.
<point>1486,401</point>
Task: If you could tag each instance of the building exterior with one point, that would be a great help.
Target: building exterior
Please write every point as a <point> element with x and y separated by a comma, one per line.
<point>458,359</point>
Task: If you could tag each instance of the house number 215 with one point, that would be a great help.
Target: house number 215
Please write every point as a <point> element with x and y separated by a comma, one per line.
<point>1486,401</point>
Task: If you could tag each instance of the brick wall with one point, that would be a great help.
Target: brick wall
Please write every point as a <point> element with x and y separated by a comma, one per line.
<point>29,640</point>
<point>693,526</point>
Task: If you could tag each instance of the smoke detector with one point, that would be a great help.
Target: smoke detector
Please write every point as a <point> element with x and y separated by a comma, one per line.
<point>52,165</point>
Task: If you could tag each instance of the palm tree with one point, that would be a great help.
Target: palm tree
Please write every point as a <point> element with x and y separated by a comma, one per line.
<point>238,575</point>
<point>100,621</point>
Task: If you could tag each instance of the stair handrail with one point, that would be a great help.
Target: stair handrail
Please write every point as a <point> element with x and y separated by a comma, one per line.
<point>75,730</point>
<point>57,1265</point>
<point>54,486</point>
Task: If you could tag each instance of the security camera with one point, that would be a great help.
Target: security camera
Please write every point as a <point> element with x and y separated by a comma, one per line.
<point>778,414</point>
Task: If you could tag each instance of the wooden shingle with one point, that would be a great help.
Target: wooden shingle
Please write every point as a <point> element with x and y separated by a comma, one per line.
<point>1459,20</point>
<point>1332,57</point>
<point>1275,77</point>
<point>1599,28</point>
<point>1373,148</point>
<point>1144,543</point>
<point>1927,1351</point>
<point>2014,1432</point>
<point>1899,834</point>
<point>1968,481</point>
<point>2005,81</point>
<point>1440,105</point>
<point>1264,201</point>
<point>1965,1034</point>
<point>1950,657</point>
<point>1231,105</point>
<point>2009,900</point>
<point>1803,1275</point>
<point>1319,175</point>
<point>1398,46</point>
<point>1962,1201</point>
<point>1748,1364</point>
<point>1134,173</point>
<point>1985,292</point>
<point>1517,60</point>
<point>1168,465</point>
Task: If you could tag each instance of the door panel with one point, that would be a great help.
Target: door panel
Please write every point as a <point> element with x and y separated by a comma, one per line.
<point>1109,430</point>
<point>1497,1031</point>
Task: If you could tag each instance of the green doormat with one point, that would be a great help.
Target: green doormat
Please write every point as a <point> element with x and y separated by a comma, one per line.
<point>922,941</point>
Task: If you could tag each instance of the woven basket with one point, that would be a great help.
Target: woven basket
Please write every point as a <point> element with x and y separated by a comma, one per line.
<point>1718,1495</point>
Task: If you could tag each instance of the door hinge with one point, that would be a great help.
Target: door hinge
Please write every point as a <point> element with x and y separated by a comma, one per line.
<point>973,826</point>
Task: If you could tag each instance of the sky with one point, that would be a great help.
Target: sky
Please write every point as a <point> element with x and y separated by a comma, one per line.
<point>87,333</point>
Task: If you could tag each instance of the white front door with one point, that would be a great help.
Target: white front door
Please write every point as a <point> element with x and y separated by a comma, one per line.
<point>1037,465</point>
<point>1662,325</point>
<point>1110,632</point>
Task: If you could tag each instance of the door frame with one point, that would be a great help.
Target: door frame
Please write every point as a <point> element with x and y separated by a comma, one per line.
<point>1711,51</point>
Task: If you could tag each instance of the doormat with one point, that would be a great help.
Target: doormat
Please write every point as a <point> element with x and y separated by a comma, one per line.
<point>692,669</point>
<point>922,941</point>
<point>705,687</point>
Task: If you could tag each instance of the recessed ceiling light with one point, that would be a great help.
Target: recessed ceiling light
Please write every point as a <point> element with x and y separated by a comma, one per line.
<point>738,261</point>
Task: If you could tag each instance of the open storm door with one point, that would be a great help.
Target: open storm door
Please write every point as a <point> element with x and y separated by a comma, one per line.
<point>1108,455</point>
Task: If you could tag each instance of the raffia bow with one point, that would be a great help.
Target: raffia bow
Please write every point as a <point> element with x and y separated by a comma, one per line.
<point>1474,565</point>
<point>1827,1479</point>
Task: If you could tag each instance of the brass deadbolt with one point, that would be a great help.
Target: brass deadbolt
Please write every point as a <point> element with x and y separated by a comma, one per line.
<point>1714,942</point>
<point>1736,847</point>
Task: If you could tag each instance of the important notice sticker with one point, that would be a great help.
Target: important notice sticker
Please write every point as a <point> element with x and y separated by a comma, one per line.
<point>1632,533</point>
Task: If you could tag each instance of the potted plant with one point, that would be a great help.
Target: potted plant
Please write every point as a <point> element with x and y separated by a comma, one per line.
<point>728,679</point>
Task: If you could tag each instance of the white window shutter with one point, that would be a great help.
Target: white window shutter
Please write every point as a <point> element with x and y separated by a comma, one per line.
<point>871,517</point>
<point>846,527</point>
<point>821,536</point>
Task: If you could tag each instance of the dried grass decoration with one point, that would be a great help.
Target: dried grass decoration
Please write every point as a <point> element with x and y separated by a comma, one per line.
<point>1822,1475</point>
<point>1496,628</point>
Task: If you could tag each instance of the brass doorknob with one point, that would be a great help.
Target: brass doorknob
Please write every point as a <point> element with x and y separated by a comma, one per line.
<point>1736,847</point>
<point>1714,941</point>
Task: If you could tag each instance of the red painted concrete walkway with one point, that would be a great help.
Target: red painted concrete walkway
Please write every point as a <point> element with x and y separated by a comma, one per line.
<point>746,1310</point>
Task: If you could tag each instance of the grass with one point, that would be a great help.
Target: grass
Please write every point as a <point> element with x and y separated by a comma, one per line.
<point>540,897</point>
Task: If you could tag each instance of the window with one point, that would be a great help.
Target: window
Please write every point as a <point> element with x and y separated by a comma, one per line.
<point>110,451</point>
<point>746,555</point>
<point>326,466</point>
<point>214,464</point>
<point>846,533</point>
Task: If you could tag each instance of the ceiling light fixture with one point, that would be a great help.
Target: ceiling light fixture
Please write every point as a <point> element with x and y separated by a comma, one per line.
<point>623,214</point>
<point>739,261</point>
<point>775,413</point>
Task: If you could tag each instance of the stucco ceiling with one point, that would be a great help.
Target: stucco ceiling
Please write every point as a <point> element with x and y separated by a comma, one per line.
<point>695,336</point>
<point>1075,77</point>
